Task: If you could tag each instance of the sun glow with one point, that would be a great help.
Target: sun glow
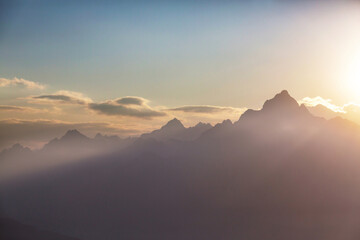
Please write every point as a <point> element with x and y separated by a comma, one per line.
<point>353,75</point>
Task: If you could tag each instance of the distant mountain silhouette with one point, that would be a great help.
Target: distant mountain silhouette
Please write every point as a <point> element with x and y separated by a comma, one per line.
<point>279,108</point>
<point>321,110</point>
<point>71,138</point>
<point>17,150</point>
<point>276,173</point>
<point>74,135</point>
<point>175,130</point>
<point>100,137</point>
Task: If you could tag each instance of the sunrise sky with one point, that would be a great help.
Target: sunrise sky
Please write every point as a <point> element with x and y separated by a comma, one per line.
<point>128,67</point>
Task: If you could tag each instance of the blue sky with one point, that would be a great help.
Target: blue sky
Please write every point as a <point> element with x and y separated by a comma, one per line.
<point>176,53</point>
<point>127,48</point>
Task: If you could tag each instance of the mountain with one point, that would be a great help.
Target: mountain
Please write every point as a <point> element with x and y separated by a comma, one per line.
<point>70,139</point>
<point>322,111</point>
<point>99,137</point>
<point>17,150</point>
<point>175,130</point>
<point>170,130</point>
<point>277,173</point>
<point>280,108</point>
<point>74,135</point>
<point>279,119</point>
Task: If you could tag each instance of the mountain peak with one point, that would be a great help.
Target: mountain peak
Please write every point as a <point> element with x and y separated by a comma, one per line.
<point>98,136</point>
<point>15,149</point>
<point>201,124</point>
<point>173,124</point>
<point>280,106</point>
<point>74,134</point>
<point>284,92</point>
<point>281,101</point>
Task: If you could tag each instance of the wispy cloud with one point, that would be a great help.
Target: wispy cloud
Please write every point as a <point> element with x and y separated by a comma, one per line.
<point>4,82</point>
<point>325,108</point>
<point>63,96</point>
<point>11,108</point>
<point>206,109</point>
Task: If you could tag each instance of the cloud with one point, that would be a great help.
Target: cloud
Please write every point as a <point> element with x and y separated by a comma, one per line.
<point>312,102</point>
<point>325,108</point>
<point>206,109</point>
<point>63,96</point>
<point>130,106</point>
<point>127,106</point>
<point>11,108</point>
<point>20,82</point>
<point>37,132</point>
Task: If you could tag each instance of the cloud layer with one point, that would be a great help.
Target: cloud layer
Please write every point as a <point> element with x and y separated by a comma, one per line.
<point>206,109</point>
<point>21,83</point>
<point>11,108</point>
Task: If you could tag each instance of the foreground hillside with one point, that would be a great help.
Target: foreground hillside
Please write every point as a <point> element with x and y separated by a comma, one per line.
<point>13,230</point>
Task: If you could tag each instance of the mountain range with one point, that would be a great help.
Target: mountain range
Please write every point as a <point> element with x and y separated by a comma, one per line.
<point>276,173</point>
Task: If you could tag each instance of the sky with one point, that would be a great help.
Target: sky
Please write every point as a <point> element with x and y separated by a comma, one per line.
<point>127,67</point>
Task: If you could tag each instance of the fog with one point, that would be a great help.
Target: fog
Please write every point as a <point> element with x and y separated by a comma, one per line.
<point>276,173</point>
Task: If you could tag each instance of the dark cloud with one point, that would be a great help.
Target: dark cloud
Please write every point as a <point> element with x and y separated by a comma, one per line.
<point>54,97</point>
<point>131,101</point>
<point>126,106</point>
<point>116,109</point>
<point>67,97</point>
